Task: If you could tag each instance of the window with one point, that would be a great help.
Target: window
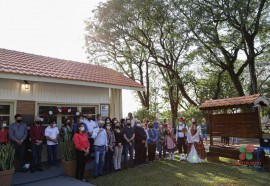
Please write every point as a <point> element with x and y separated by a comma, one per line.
<point>6,112</point>
<point>56,113</point>
<point>86,110</point>
<point>60,113</point>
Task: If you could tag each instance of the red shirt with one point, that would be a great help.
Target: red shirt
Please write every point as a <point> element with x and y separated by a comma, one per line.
<point>4,136</point>
<point>36,133</point>
<point>81,141</point>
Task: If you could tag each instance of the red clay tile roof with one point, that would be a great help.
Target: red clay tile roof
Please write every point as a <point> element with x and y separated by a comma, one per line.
<point>35,65</point>
<point>229,102</point>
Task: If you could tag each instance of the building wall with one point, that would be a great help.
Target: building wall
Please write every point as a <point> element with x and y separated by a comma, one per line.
<point>52,92</point>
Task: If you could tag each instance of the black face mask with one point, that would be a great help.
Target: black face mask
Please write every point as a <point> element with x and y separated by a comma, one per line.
<point>128,124</point>
<point>89,118</point>
<point>19,120</point>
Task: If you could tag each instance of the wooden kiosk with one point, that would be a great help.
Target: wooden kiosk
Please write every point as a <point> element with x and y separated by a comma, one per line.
<point>233,117</point>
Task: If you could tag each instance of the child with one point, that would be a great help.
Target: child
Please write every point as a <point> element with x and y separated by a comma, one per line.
<point>170,144</point>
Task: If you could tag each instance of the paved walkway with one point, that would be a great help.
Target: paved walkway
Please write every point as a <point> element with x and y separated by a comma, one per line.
<point>49,177</point>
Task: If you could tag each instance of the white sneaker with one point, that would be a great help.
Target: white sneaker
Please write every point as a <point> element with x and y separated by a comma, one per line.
<point>185,157</point>
<point>182,157</point>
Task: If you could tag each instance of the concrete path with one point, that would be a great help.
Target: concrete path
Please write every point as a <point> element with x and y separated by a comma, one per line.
<point>49,177</point>
<point>59,181</point>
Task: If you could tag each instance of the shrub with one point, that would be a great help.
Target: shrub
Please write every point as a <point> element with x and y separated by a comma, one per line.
<point>6,157</point>
<point>68,150</point>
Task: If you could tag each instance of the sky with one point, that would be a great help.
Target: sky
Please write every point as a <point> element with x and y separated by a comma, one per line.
<point>53,28</point>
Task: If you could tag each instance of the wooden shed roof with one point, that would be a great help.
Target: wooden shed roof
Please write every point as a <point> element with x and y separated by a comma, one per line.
<point>251,100</point>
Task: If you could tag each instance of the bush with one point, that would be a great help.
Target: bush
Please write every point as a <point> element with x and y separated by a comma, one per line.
<point>68,150</point>
<point>6,157</point>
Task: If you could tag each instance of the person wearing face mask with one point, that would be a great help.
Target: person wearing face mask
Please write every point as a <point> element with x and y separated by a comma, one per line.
<point>79,120</point>
<point>91,125</point>
<point>161,142</point>
<point>82,146</point>
<point>37,137</point>
<point>114,121</point>
<point>100,148</point>
<point>109,153</point>
<point>181,138</point>
<point>17,135</point>
<point>132,121</point>
<point>66,131</point>
<point>129,136</point>
<point>4,139</point>
<point>52,135</point>
<point>151,142</point>
<point>118,148</point>
<point>140,148</point>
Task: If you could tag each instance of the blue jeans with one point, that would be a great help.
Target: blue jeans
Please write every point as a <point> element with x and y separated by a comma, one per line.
<point>52,155</point>
<point>161,148</point>
<point>36,156</point>
<point>99,159</point>
<point>128,148</point>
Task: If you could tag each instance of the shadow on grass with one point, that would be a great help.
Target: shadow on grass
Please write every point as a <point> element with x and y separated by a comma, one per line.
<point>183,173</point>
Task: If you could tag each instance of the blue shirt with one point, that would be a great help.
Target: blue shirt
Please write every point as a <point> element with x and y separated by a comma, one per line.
<point>17,131</point>
<point>100,137</point>
<point>155,125</point>
<point>152,135</point>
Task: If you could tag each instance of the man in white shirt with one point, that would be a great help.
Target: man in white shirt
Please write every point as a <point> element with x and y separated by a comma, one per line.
<point>91,125</point>
<point>52,135</point>
<point>181,138</point>
<point>100,147</point>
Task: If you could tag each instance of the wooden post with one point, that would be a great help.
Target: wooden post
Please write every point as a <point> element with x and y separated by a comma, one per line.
<point>210,126</point>
<point>259,122</point>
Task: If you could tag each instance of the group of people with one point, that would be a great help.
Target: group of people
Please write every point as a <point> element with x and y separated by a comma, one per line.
<point>105,141</point>
<point>24,138</point>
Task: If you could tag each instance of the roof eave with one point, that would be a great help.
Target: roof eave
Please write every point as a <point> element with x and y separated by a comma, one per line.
<point>65,81</point>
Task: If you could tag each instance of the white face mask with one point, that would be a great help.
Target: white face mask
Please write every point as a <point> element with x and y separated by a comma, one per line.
<point>180,123</point>
<point>82,129</point>
<point>108,127</point>
<point>4,124</point>
<point>138,125</point>
<point>54,125</point>
<point>81,120</point>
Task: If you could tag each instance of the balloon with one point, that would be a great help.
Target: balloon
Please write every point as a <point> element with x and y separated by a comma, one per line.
<point>249,156</point>
<point>249,148</point>
<point>242,156</point>
<point>242,149</point>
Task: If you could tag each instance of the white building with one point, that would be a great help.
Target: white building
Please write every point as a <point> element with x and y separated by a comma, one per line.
<point>54,88</point>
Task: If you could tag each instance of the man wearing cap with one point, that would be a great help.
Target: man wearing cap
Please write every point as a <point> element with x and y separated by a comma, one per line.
<point>181,138</point>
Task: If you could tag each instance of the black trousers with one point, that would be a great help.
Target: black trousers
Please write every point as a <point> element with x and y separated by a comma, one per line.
<point>151,151</point>
<point>108,161</point>
<point>36,156</point>
<point>19,157</point>
<point>140,153</point>
<point>91,141</point>
<point>181,144</point>
<point>81,161</point>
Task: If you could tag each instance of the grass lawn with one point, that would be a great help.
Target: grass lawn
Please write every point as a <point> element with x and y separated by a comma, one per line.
<point>174,173</point>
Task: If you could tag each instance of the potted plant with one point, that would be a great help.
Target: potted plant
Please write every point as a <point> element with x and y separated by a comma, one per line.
<point>6,164</point>
<point>69,157</point>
